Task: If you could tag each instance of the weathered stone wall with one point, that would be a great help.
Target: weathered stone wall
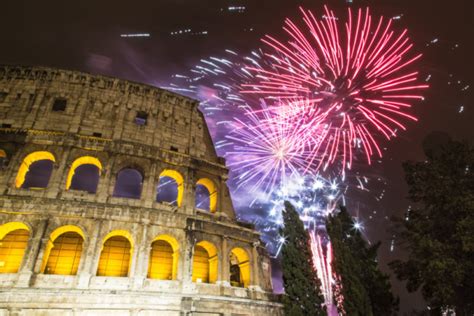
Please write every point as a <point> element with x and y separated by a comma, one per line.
<point>99,121</point>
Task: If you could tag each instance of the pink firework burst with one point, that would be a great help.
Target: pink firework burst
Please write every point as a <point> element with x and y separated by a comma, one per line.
<point>266,150</point>
<point>352,81</point>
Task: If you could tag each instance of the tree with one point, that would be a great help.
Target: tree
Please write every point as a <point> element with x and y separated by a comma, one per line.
<point>364,288</point>
<point>302,286</point>
<point>439,231</point>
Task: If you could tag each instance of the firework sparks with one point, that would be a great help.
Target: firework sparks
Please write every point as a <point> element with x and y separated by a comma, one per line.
<point>356,78</point>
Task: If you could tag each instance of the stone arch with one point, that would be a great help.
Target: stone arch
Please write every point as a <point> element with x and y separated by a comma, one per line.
<point>116,254</point>
<point>209,201</point>
<point>64,251</point>
<point>178,183</point>
<point>74,181</point>
<point>239,263</point>
<point>13,242</point>
<point>27,167</point>
<point>164,256</point>
<point>205,262</point>
<point>129,183</point>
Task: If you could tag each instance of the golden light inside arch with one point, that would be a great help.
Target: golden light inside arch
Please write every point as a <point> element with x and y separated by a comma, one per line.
<point>244,265</point>
<point>205,262</point>
<point>70,259</point>
<point>179,182</point>
<point>163,263</point>
<point>110,265</point>
<point>13,242</point>
<point>211,188</point>
<point>25,165</point>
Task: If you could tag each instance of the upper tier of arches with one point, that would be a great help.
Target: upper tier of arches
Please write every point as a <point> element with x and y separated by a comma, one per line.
<point>85,172</point>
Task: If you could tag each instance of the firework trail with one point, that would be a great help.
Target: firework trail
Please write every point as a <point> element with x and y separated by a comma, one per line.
<point>322,260</point>
<point>356,78</point>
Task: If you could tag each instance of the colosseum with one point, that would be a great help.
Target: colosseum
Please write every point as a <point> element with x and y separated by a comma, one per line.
<point>114,202</point>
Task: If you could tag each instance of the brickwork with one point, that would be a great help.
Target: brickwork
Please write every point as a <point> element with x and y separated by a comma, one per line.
<point>100,120</point>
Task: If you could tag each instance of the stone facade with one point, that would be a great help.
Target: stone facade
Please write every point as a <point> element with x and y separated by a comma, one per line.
<point>98,118</point>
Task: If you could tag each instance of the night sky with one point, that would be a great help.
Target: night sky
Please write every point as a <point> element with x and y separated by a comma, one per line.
<point>86,36</point>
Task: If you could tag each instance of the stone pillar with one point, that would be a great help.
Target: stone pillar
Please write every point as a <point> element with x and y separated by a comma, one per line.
<point>149,187</point>
<point>56,184</point>
<point>97,249</point>
<point>225,266</point>
<point>187,257</point>
<point>255,281</point>
<point>138,271</point>
<point>122,111</point>
<point>31,255</point>
<point>13,168</point>
<point>31,118</point>
<point>80,110</point>
<point>105,179</point>
<point>42,249</point>
<point>135,251</point>
<point>92,252</point>
<point>189,192</point>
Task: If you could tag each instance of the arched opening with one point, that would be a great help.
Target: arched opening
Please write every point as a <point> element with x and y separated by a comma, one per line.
<point>84,174</point>
<point>170,187</point>
<point>205,263</point>
<point>13,242</point>
<point>163,264</point>
<point>115,257</point>
<point>206,195</point>
<point>239,268</point>
<point>129,184</point>
<point>63,251</point>
<point>35,170</point>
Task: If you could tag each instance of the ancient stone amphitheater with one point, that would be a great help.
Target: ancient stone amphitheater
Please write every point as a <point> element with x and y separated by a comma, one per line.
<point>114,202</point>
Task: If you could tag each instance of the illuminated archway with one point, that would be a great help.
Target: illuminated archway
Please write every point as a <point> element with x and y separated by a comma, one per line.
<point>115,257</point>
<point>80,178</point>
<point>63,251</point>
<point>239,267</point>
<point>205,263</point>
<point>164,180</point>
<point>129,184</point>
<point>13,242</point>
<point>206,200</point>
<point>164,255</point>
<point>29,163</point>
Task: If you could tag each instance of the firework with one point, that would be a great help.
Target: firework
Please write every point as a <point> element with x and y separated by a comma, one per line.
<point>322,258</point>
<point>352,82</point>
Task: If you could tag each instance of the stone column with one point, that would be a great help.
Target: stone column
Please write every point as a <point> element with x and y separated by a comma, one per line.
<point>122,111</point>
<point>92,252</point>
<point>13,168</point>
<point>255,281</point>
<point>225,266</point>
<point>187,257</point>
<point>134,257</point>
<point>189,192</point>
<point>105,179</point>
<point>80,110</point>
<point>31,255</point>
<point>56,184</point>
<point>31,118</point>
<point>149,187</point>
<point>97,250</point>
<point>138,271</point>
